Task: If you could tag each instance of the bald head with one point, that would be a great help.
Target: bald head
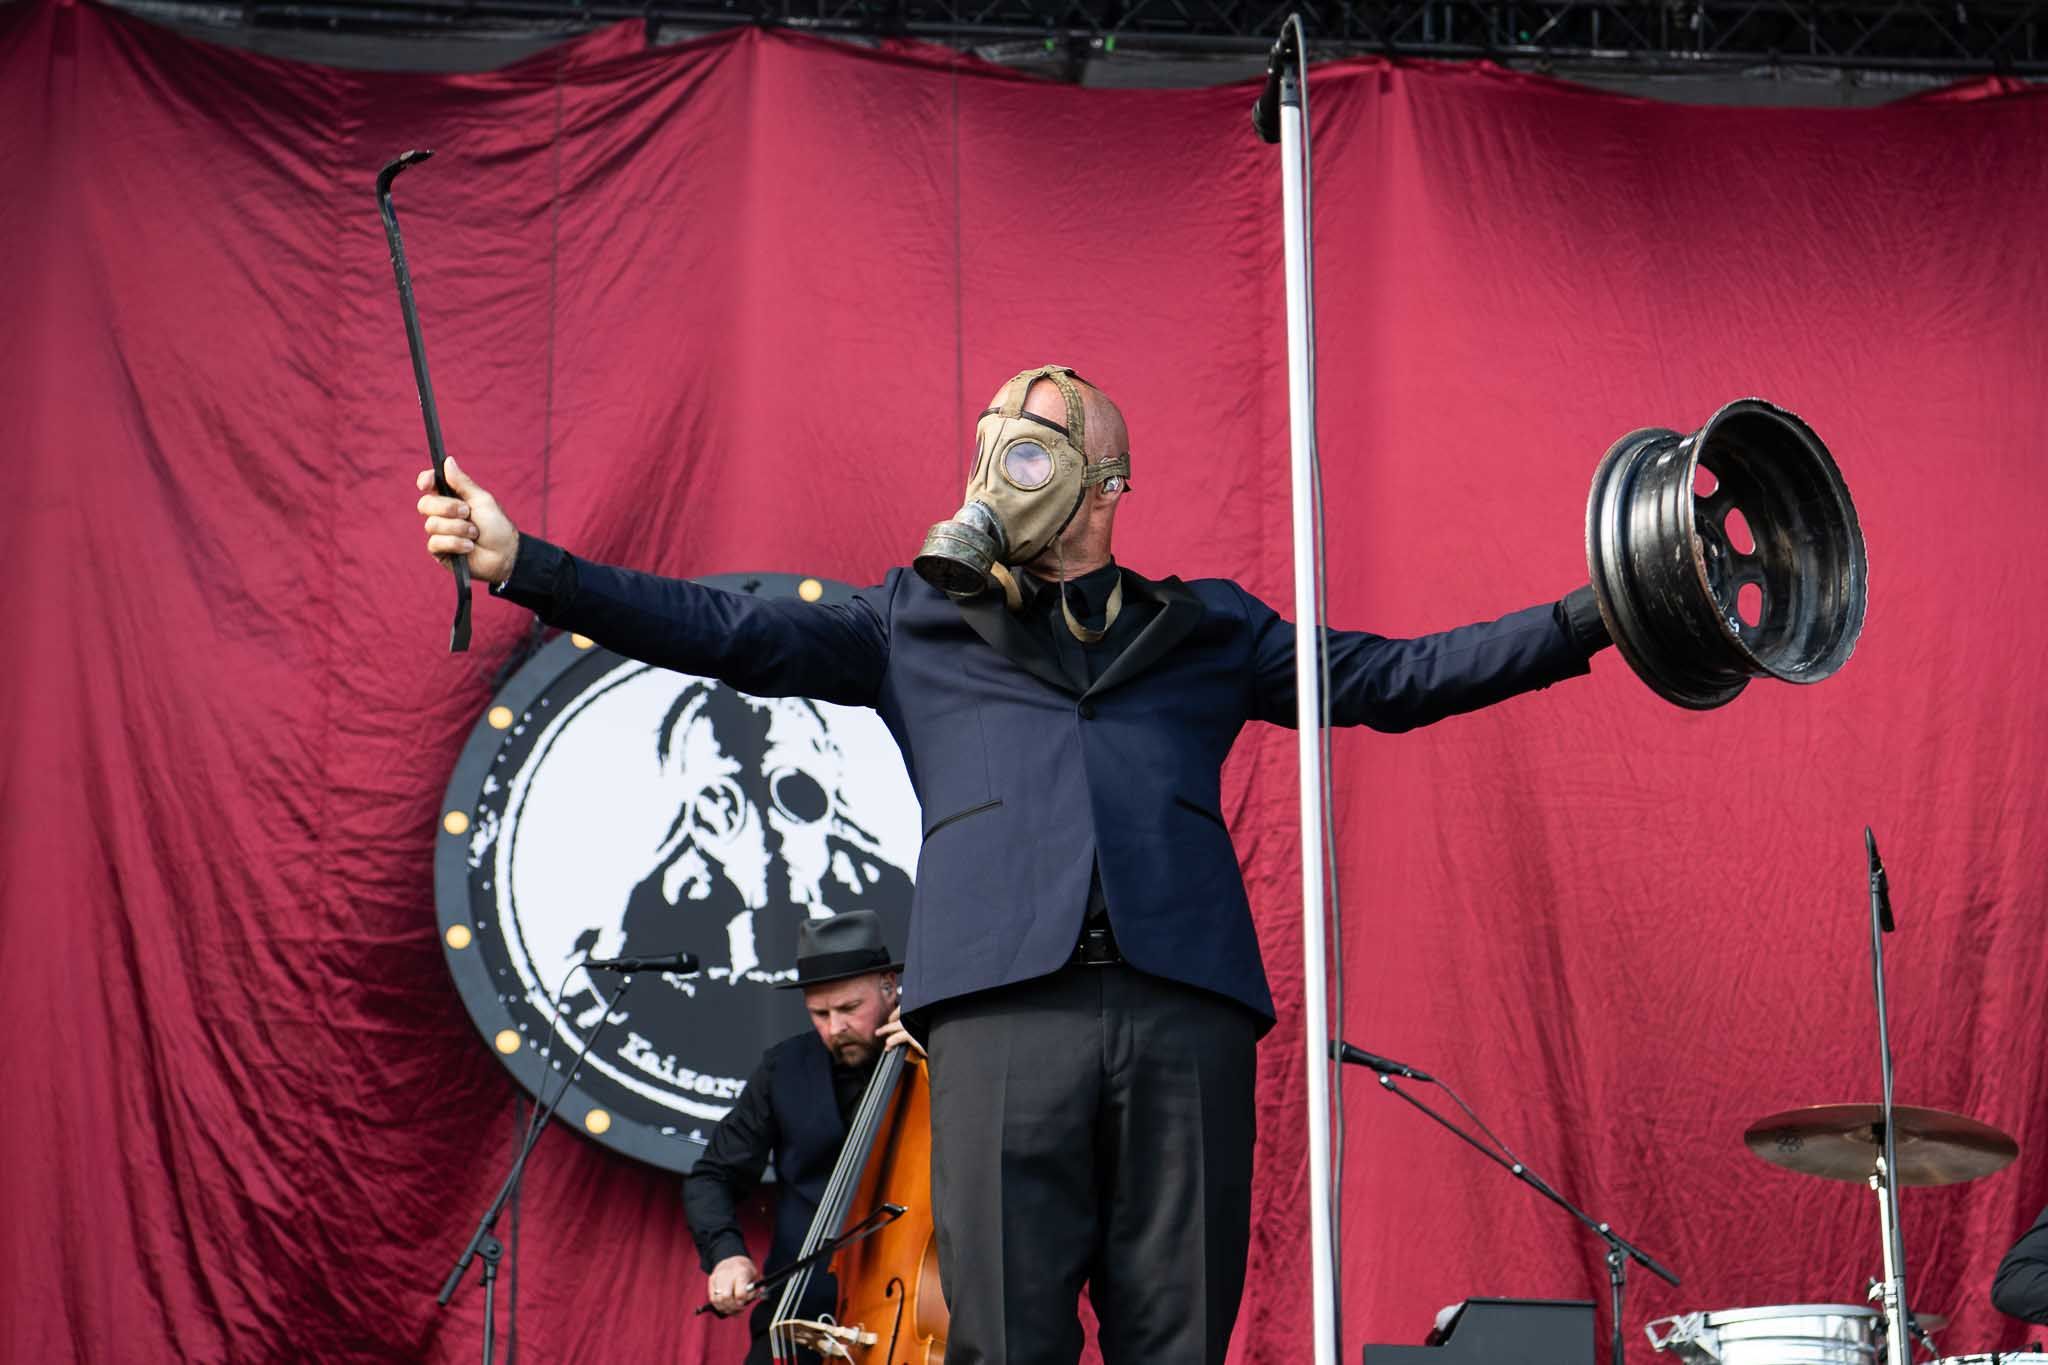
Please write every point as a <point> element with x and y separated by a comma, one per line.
<point>1105,436</point>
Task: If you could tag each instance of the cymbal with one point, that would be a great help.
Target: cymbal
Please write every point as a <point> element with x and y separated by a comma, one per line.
<point>1843,1142</point>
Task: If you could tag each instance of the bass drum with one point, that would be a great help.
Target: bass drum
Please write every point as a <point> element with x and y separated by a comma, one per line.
<point>1784,1334</point>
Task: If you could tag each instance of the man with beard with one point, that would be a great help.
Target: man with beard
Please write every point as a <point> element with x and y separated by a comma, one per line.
<point>1083,966</point>
<point>796,1109</point>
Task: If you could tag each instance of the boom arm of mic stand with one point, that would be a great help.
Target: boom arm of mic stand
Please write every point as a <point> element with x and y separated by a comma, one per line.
<point>1536,1183</point>
<point>540,1125</point>
<point>1619,1249</point>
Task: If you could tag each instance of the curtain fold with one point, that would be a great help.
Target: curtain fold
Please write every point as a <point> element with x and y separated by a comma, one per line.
<point>731,306</point>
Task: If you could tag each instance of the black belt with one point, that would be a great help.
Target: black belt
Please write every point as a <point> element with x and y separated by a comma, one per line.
<point>1097,947</point>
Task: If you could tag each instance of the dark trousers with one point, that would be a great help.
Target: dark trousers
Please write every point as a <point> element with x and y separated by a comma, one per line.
<point>1094,1126</point>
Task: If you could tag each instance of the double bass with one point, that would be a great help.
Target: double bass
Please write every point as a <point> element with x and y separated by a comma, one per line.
<point>891,1309</point>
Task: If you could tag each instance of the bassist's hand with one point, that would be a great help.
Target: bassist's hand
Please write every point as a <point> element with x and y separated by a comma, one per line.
<point>732,1284</point>
<point>893,1034</point>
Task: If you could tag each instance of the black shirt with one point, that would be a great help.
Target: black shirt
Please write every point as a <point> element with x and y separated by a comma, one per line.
<point>1088,597</point>
<point>1082,662</point>
<point>2021,1286</point>
<point>740,1149</point>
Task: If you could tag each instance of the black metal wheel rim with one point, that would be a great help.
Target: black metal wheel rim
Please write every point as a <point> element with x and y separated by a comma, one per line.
<point>1756,569</point>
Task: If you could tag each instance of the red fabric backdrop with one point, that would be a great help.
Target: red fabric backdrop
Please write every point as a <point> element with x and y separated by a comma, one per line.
<point>729,306</point>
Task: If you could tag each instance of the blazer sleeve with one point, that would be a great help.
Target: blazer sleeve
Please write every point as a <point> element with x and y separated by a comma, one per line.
<point>770,647</point>
<point>1396,685</point>
<point>2020,1288</point>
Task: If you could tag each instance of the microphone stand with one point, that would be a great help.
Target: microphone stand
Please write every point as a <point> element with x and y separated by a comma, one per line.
<point>1620,1251</point>
<point>1884,1180</point>
<point>483,1243</point>
<point>1281,115</point>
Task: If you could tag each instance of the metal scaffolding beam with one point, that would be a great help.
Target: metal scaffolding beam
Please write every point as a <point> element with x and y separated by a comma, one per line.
<point>1935,37</point>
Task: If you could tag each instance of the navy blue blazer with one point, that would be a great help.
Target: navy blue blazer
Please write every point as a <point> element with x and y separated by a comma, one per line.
<point>1025,782</point>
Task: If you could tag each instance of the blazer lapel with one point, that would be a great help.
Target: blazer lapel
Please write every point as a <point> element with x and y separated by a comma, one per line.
<point>1179,612</point>
<point>1006,635</point>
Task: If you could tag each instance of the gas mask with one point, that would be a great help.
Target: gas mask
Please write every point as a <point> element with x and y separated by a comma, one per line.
<point>1029,478</point>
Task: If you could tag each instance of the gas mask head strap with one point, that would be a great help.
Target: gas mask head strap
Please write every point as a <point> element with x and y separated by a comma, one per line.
<point>1019,389</point>
<point>1011,409</point>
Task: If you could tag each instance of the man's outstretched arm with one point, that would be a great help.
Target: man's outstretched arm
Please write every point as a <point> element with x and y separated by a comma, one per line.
<point>1397,685</point>
<point>769,647</point>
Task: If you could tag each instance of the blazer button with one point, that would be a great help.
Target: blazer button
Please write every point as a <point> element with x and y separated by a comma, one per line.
<point>1087,710</point>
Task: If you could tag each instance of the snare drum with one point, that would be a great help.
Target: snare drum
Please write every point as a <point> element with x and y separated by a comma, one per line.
<point>1785,1334</point>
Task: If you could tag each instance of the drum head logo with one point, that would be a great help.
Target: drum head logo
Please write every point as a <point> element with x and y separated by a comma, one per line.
<point>606,808</point>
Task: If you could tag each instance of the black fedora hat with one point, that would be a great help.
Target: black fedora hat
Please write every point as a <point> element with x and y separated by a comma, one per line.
<point>834,949</point>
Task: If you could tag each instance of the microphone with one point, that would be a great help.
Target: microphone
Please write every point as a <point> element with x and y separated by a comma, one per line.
<point>684,963</point>
<point>1880,886</point>
<point>1341,1051</point>
<point>1266,113</point>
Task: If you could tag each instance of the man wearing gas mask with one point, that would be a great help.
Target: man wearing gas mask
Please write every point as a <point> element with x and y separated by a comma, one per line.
<point>1082,965</point>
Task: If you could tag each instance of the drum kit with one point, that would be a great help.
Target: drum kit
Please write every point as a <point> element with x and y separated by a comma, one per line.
<point>1845,1142</point>
<point>1670,568</point>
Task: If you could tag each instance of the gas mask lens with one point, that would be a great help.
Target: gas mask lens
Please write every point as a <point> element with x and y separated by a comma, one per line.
<point>1028,466</point>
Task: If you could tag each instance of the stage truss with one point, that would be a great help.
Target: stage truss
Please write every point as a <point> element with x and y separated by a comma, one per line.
<point>1933,37</point>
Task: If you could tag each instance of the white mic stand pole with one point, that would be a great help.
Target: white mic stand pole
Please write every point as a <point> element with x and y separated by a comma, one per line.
<point>1281,114</point>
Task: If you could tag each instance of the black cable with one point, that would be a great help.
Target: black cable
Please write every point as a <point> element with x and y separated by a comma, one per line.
<point>1491,1136</point>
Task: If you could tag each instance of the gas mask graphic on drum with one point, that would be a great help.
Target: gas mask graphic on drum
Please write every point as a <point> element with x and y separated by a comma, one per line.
<point>1030,476</point>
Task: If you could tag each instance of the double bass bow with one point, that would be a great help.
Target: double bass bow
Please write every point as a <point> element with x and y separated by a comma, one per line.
<point>891,1309</point>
